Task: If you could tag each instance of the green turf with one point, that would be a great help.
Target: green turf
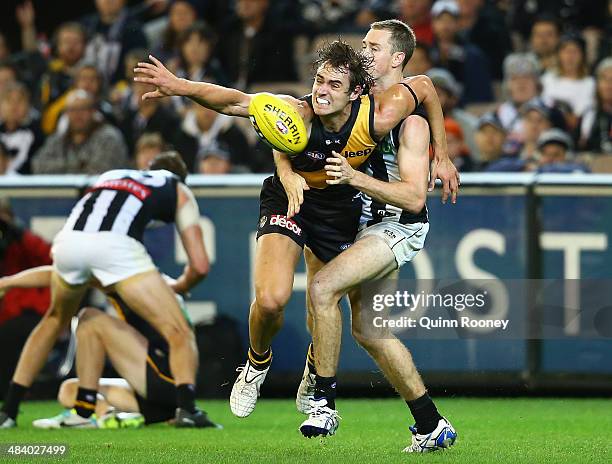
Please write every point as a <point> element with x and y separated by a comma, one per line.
<point>490,431</point>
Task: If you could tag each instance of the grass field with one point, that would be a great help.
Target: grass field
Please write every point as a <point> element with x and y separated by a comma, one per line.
<point>371,431</point>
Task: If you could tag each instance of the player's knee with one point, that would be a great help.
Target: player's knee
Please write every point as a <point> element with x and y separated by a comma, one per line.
<point>271,302</point>
<point>67,392</point>
<point>88,321</point>
<point>176,335</point>
<point>368,343</point>
<point>321,295</point>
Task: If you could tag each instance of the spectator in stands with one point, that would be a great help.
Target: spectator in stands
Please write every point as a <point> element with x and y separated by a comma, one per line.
<point>181,16</point>
<point>112,33</point>
<point>148,146</point>
<point>70,41</point>
<point>544,41</point>
<point>490,139</point>
<point>457,150</point>
<point>416,13</point>
<point>122,90</point>
<point>214,159</point>
<point>330,15</point>
<point>20,128</point>
<point>484,25</point>
<point>420,62</point>
<point>135,116</point>
<point>195,61</point>
<point>555,148</point>
<point>202,129</point>
<point>521,84</point>
<point>536,118</point>
<point>255,48</point>
<point>596,123</point>
<point>449,93</point>
<point>89,146</point>
<point>8,75</point>
<point>570,81</point>
<point>89,78</point>
<point>576,15</point>
<point>465,61</point>
<point>20,309</point>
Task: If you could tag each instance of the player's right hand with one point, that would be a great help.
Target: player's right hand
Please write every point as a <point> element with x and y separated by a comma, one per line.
<point>158,75</point>
<point>294,186</point>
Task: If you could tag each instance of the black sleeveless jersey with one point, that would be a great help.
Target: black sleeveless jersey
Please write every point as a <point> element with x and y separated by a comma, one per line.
<point>124,201</point>
<point>355,141</point>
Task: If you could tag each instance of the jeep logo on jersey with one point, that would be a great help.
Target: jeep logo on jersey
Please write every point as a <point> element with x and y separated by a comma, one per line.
<point>281,128</point>
<point>282,221</point>
<point>316,155</point>
<point>290,126</point>
<point>354,154</point>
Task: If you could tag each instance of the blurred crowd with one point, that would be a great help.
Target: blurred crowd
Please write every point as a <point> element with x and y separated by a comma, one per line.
<point>525,85</point>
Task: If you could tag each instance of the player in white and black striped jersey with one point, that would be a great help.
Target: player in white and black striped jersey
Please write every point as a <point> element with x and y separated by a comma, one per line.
<point>394,225</point>
<point>383,166</point>
<point>102,239</point>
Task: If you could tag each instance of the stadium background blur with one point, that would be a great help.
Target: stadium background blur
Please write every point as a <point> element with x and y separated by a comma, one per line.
<point>526,88</point>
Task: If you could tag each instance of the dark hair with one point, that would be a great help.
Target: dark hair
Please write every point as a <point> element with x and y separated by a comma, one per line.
<point>402,36</point>
<point>204,33</point>
<point>547,18</point>
<point>341,56</point>
<point>170,161</point>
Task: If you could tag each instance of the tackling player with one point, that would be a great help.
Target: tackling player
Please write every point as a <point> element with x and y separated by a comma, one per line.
<point>340,116</point>
<point>394,225</point>
<point>102,239</point>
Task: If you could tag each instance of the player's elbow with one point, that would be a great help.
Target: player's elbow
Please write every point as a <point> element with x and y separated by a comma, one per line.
<point>414,201</point>
<point>200,268</point>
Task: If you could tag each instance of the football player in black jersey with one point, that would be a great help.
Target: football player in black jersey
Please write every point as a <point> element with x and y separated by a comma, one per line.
<point>340,116</point>
<point>102,238</point>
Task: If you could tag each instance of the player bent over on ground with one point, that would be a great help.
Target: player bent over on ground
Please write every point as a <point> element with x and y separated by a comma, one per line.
<point>138,353</point>
<point>102,239</point>
<point>340,116</point>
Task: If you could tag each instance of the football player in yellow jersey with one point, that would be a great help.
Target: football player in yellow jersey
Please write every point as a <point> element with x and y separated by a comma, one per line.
<point>393,227</point>
<point>328,220</point>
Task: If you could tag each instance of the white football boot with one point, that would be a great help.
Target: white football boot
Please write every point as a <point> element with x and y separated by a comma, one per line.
<point>6,422</point>
<point>322,420</point>
<point>67,419</point>
<point>305,391</point>
<point>246,389</point>
<point>443,437</point>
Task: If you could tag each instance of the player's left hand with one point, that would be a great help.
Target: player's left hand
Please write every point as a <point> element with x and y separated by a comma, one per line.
<point>340,169</point>
<point>446,171</point>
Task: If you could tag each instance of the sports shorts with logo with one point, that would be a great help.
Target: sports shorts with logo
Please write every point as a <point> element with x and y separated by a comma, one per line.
<point>404,240</point>
<point>327,223</point>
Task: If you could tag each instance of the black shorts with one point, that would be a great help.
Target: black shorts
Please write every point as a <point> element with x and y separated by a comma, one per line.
<point>160,403</point>
<point>327,223</point>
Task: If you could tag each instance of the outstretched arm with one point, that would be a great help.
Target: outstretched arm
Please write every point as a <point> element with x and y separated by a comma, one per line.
<point>30,278</point>
<point>224,100</point>
<point>221,99</point>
